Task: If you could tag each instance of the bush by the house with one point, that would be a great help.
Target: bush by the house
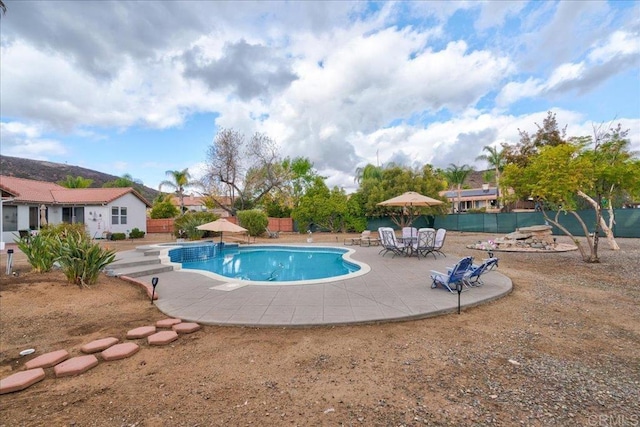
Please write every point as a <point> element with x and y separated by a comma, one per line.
<point>136,233</point>
<point>118,236</point>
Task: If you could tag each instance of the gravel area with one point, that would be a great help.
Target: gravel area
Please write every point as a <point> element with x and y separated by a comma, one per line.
<point>563,349</point>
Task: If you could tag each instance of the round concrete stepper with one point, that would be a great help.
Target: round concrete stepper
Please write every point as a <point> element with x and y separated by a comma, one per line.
<point>162,338</point>
<point>141,332</point>
<point>21,380</point>
<point>185,328</point>
<point>167,323</point>
<point>120,351</point>
<point>75,366</point>
<point>47,360</point>
<point>99,345</point>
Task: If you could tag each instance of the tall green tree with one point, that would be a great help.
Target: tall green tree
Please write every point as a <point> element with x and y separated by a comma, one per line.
<point>369,171</point>
<point>179,181</point>
<point>495,158</point>
<point>76,182</point>
<point>558,175</point>
<point>456,175</point>
<point>124,181</point>
<point>548,134</point>
<point>323,207</point>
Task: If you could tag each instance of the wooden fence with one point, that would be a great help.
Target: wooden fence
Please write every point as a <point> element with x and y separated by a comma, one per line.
<point>284,225</point>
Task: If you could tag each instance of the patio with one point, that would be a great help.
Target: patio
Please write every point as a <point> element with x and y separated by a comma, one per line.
<point>396,289</point>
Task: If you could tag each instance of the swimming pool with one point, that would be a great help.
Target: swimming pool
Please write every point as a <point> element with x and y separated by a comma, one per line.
<point>269,264</point>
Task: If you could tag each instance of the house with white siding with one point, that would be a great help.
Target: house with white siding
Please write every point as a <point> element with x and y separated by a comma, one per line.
<point>27,205</point>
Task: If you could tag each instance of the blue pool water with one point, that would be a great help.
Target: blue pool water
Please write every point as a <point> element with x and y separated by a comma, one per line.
<point>266,263</point>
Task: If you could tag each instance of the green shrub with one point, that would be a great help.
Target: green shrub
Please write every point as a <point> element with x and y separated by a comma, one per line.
<point>136,233</point>
<point>118,236</point>
<point>164,209</point>
<point>81,260</point>
<point>254,220</point>
<point>185,225</point>
<point>41,250</point>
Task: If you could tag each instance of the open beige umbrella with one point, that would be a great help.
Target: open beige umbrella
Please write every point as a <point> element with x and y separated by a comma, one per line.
<point>409,200</point>
<point>221,225</point>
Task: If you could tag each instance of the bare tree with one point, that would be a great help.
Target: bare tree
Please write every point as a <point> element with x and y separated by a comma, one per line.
<point>243,172</point>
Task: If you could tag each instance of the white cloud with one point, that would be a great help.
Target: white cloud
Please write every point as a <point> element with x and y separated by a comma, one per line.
<point>23,140</point>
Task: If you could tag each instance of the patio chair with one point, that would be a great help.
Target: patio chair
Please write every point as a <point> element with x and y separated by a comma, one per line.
<point>409,234</point>
<point>473,277</point>
<point>437,247</point>
<point>272,234</point>
<point>455,276</point>
<point>390,243</point>
<point>365,236</point>
<point>425,243</point>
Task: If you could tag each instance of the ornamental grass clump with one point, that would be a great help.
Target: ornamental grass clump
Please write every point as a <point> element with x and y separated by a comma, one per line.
<point>81,260</point>
<point>41,250</point>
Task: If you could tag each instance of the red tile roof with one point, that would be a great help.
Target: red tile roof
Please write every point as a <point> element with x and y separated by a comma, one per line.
<point>28,190</point>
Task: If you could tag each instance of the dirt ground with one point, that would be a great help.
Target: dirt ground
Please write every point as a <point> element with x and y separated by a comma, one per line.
<point>562,349</point>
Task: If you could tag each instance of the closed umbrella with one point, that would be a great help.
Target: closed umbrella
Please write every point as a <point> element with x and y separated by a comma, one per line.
<point>221,225</point>
<point>43,215</point>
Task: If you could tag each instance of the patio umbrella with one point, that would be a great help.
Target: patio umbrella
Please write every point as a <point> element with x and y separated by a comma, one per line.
<point>409,200</point>
<point>221,225</point>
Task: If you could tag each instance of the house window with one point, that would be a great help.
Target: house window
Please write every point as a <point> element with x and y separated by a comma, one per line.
<point>34,213</point>
<point>73,215</point>
<point>9,218</point>
<point>118,215</point>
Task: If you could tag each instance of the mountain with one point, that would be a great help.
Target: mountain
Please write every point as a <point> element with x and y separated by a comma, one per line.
<point>54,172</point>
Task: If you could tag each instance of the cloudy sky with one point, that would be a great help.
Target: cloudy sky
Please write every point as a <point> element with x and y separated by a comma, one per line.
<point>143,87</point>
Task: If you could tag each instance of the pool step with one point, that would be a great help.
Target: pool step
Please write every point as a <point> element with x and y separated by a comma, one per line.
<point>137,263</point>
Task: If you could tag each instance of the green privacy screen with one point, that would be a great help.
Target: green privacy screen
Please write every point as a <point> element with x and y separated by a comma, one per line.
<point>627,222</point>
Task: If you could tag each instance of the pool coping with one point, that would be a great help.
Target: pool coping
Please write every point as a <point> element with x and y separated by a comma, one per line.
<point>395,289</point>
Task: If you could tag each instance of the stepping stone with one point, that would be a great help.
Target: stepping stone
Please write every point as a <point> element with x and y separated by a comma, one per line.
<point>99,345</point>
<point>185,328</point>
<point>167,323</point>
<point>162,338</point>
<point>75,366</point>
<point>141,332</point>
<point>47,360</point>
<point>120,351</point>
<point>21,380</point>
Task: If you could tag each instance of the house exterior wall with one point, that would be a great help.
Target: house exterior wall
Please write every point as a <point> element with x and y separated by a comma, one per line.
<point>136,214</point>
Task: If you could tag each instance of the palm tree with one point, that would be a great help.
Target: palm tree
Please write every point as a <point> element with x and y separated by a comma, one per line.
<point>456,175</point>
<point>76,182</point>
<point>179,181</point>
<point>367,172</point>
<point>3,7</point>
<point>495,158</point>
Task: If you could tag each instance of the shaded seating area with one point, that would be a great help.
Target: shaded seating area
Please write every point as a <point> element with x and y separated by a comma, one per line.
<point>390,243</point>
<point>455,277</point>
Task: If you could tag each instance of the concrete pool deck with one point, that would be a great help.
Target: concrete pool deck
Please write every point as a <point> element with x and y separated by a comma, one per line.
<point>395,289</point>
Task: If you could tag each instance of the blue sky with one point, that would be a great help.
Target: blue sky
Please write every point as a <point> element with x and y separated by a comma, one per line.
<point>143,87</point>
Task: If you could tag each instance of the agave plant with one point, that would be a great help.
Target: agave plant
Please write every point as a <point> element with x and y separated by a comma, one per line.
<point>82,261</point>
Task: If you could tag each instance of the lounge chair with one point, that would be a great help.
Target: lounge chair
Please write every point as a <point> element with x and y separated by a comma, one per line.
<point>425,243</point>
<point>365,237</point>
<point>272,234</point>
<point>455,277</point>
<point>474,273</point>
<point>390,243</point>
<point>437,247</point>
